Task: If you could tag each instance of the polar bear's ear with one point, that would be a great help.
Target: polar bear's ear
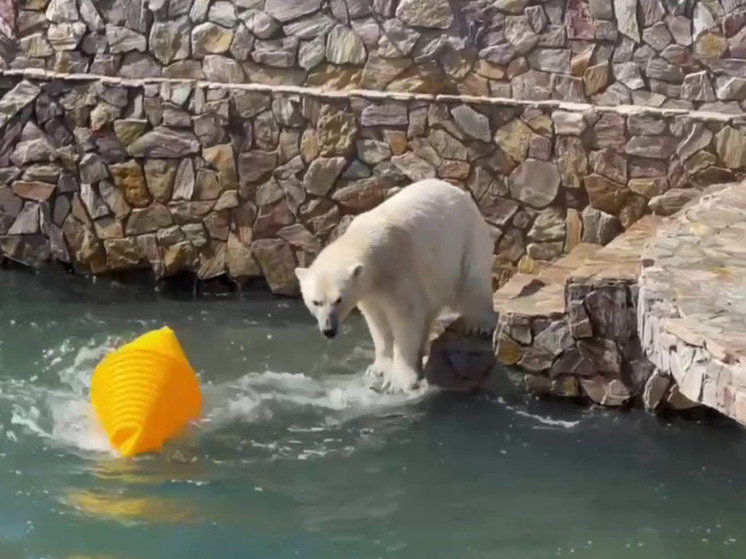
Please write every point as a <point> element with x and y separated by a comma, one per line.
<point>300,273</point>
<point>356,270</point>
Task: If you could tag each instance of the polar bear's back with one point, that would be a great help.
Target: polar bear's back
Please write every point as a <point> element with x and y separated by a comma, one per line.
<point>430,228</point>
<point>422,204</point>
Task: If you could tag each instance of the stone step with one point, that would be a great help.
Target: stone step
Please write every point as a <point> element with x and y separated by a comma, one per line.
<point>541,293</point>
<point>570,330</point>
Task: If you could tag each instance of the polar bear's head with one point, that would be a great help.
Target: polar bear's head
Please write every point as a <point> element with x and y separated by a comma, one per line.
<point>330,293</point>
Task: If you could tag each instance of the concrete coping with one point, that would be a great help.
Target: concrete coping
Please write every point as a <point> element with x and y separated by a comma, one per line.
<point>572,107</point>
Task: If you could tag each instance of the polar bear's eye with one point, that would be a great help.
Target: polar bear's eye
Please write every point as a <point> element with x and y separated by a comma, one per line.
<point>316,303</point>
<point>338,301</point>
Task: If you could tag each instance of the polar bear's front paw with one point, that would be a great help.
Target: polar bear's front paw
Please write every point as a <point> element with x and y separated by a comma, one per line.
<point>402,380</point>
<point>379,368</point>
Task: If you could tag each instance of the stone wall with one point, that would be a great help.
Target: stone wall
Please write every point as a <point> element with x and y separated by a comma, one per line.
<point>238,137</point>
<point>109,175</point>
<point>688,54</point>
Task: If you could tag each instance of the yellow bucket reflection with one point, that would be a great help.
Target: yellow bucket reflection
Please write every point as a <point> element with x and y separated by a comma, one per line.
<point>132,509</point>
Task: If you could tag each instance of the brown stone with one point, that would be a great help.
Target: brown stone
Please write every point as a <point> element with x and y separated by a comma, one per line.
<point>179,256</point>
<point>423,78</point>
<point>609,131</point>
<point>122,254</point>
<point>269,192</point>
<point>130,180</point>
<point>130,129</point>
<point>239,260</point>
<point>266,131</point>
<point>512,246</point>
<point>580,62</point>
<point>309,145</point>
<point>148,220</point>
<point>160,174</point>
<point>656,147</point>
<point>277,262</point>
<point>648,187</point>
<point>360,196</point>
<point>413,166</point>
<point>379,72</point>
<point>489,70</point>
<point>221,157</point>
<point>397,141</point>
<point>730,144</point>
<point>373,152</point>
<point>605,392</point>
<point>540,148</point>
<point>535,183</point>
<point>270,219</point>
<point>335,77</point>
<point>571,160</point>
<point>604,194</point>
<point>509,352</point>
<point>255,166</point>
<point>609,163</point>
<point>596,78</point>
<point>451,169</point>
<point>336,131</point>
<point>320,216</point>
<point>710,44</point>
<point>289,146</point>
<point>33,190</point>
<point>322,174</point>
<point>672,201</point>
<point>212,260</point>
<point>217,224</point>
<point>573,230</point>
<point>634,209</point>
<point>514,139</point>
<point>207,185</point>
<point>447,146</point>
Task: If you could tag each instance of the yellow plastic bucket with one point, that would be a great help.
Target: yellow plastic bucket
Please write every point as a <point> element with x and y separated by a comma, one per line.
<point>145,392</point>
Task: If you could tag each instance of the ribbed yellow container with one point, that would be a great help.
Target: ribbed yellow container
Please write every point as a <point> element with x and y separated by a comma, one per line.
<point>145,393</point>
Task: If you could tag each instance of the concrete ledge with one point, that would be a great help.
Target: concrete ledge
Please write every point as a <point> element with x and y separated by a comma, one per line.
<point>692,306</point>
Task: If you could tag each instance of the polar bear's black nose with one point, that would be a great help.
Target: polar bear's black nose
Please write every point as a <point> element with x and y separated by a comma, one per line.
<point>329,332</point>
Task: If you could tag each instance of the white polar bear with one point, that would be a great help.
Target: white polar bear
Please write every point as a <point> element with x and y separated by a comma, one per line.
<point>425,250</point>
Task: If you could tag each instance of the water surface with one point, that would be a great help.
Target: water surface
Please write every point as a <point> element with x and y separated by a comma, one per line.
<point>295,457</point>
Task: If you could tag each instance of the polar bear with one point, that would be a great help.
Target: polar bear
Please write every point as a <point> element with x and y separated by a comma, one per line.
<point>425,250</point>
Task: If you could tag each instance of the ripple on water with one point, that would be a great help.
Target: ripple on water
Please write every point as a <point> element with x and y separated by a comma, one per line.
<point>311,408</point>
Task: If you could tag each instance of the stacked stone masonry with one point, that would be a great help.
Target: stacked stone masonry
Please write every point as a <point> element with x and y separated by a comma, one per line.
<point>237,137</point>
<point>691,307</point>
<point>191,177</point>
<point>185,176</point>
<point>571,330</point>
<point>661,53</point>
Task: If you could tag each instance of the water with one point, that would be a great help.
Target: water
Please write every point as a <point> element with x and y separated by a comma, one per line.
<point>295,457</point>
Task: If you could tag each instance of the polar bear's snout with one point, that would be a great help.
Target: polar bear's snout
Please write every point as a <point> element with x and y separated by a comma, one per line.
<point>329,325</point>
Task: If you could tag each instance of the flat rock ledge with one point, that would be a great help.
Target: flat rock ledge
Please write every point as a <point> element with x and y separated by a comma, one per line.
<point>570,330</point>
<point>692,300</point>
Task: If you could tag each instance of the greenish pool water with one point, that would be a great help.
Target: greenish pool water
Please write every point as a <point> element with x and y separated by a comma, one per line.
<point>295,457</point>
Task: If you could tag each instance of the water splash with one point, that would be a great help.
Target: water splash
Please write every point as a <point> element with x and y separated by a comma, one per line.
<point>63,417</point>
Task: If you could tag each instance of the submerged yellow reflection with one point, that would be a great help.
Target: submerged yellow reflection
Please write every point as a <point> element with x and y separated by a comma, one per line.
<point>133,509</point>
<point>134,472</point>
